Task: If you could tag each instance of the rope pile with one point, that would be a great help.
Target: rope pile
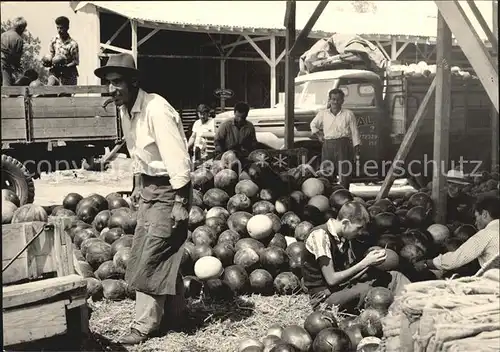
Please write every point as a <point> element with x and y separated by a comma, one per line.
<point>446,315</point>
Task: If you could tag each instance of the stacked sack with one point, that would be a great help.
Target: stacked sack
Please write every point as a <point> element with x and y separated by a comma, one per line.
<point>446,315</point>
<point>422,69</point>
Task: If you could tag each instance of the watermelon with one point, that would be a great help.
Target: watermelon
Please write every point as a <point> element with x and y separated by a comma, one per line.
<point>260,226</point>
<point>114,290</point>
<point>247,187</point>
<point>247,258</point>
<point>217,212</point>
<point>238,222</point>
<point>29,213</point>
<point>215,197</point>
<point>236,278</point>
<point>286,283</point>
<point>196,217</point>
<point>108,270</point>
<point>226,180</point>
<point>261,282</point>
<point>262,207</point>
<point>239,202</point>
<point>71,201</point>
<point>8,210</point>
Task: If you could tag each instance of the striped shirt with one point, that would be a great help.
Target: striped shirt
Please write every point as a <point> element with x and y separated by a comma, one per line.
<point>336,126</point>
<point>155,139</point>
<point>483,246</point>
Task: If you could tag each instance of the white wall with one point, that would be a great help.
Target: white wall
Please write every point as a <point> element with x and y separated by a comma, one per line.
<point>84,28</point>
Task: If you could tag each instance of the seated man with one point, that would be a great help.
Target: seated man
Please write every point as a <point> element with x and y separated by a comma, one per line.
<point>483,246</point>
<point>236,134</point>
<point>331,273</point>
<point>196,142</point>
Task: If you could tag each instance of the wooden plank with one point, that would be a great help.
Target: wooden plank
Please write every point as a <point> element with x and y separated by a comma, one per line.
<point>289,74</point>
<point>34,323</point>
<point>13,129</point>
<point>407,143</point>
<point>70,107</point>
<point>31,292</point>
<point>304,33</point>
<point>65,128</point>
<point>442,120</point>
<point>13,108</point>
<point>69,90</point>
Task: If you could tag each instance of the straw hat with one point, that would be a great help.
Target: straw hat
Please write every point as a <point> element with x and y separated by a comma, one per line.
<point>457,177</point>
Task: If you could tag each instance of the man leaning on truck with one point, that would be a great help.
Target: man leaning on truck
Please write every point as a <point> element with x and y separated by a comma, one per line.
<point>335,127</point>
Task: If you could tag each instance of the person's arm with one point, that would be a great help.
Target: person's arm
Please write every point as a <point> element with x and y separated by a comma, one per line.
<point>17,53</point>
<point>172,147</point>
<point>219,139</point>
<point>318,243</point>
<point>192,138</point>
<point>317,126</point>
<point>353,126</point>
<point>75,54</point>
<point>466,253</point>
<point>52,50</point>
<point>251,143</point>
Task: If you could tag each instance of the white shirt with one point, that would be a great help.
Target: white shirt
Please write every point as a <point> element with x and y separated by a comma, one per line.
<point>482,246</point>
<point>336,126</point>
<point>155,139</point>
<point>198,129</point>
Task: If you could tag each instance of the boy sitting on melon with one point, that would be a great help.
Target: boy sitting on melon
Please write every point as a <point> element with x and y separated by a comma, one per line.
<point>331,272</point>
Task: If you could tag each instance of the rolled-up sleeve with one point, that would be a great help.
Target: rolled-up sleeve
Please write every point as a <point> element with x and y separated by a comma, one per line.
<point>219,139</point>
<point>466,253</point>
<point>353,126</point>
<point>171,145</point>
<point>317,123</point>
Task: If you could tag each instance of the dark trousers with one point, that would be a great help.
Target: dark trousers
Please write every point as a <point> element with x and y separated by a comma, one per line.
<point>8,78</point>
<point>337,159</point>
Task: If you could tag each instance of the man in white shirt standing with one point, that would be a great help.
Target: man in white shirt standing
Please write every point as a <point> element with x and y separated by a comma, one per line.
<point>157,145</point>
<point>335,127</point>
<point>204,124</point>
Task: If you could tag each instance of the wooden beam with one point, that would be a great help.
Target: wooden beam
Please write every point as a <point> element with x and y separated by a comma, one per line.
<point>394,48</point>
<point>257,49</point>
<point>272,54</point>
<point>147,37</point>
<point>400,50</point>
<point>281,56</point>
<point>133,25</point>
<point>113,37</point>
<point>495,125</point>
<point>289,74</point>
<point>304,33</point>
<point>486,29</point>
<point>382,49</point>
<point>442,120</point>
<point>407,142</point>
<point>242,42</point>
<point>115,48</point>
<point>472,46</point>
<point>199,57</point>
<point>222,82</point>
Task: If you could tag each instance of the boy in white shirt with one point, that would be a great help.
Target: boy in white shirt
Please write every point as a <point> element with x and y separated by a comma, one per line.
<point>204,124</point>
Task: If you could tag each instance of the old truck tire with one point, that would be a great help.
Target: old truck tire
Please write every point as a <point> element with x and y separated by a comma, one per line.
<point>19,179</point>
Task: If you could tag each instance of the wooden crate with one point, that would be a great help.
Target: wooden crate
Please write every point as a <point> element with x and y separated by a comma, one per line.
<point>36,307</point>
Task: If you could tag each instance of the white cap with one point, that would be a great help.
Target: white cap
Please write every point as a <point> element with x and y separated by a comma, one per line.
<point>457,176</point>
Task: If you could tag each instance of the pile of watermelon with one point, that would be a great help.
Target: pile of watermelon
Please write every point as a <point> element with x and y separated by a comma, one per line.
<point>323,331</point>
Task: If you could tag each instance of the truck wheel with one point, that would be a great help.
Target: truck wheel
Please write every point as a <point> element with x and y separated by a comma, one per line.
<point>16,177</point>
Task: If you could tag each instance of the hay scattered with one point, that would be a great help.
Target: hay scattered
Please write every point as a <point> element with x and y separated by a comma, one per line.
<point>213,326</point>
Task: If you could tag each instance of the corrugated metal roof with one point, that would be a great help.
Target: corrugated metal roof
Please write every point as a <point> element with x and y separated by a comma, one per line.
<point>411,18</point>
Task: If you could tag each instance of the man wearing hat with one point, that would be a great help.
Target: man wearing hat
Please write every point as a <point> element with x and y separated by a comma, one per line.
<point>459,205</point>
<point>157,145</point>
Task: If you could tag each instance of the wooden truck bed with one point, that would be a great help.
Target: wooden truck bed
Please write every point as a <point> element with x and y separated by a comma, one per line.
<point>32,116</point>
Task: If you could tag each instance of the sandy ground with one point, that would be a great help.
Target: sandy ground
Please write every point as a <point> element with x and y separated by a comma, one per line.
<point>52,188</point>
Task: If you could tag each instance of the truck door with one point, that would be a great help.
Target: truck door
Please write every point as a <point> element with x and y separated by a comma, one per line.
<point>364,98</point>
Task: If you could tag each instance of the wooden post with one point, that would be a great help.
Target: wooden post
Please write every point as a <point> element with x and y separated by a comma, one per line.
<point>222,83</point>
<point>272,53</point>
<point>289,74</point>
<point>133,25</point>
<point>442,120</point>
<point>394,48</point>
<point>494,114</point>
<point>407,142</point>
<point>304,33</point>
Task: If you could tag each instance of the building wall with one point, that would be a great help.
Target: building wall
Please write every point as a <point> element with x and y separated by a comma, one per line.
<point>84,28</point>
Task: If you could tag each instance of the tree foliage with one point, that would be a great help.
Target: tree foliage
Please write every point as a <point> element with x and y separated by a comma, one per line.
<point>32,46</point>
<point>364,6</point>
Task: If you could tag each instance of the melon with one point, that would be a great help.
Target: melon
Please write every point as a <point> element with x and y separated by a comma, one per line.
<point>29,213</point>
<point>71,201</point>
<point>224,251</point>
<point>61,211</point>
<point>313,215</point>
<point>94,288</point>
<point>86,243</point>
<point>127,222</point>
<point>217,212</point>
<point>108,270</point>
<point>239,202</point>
<point>200,251</point>
<point>124,241</point>
<point>275,330</point>
<point>319,320</point>
<point>203,235</point>
<point>82,234</point>
<point>339,197</point>
<point>98,253</point>
<point>274,259</point>
<point>332,340</point>
<point>196,217</point>
<point>302,230</point>
<point>236,278</point>
<point>289,221</point>
<point>297,336</point>
<point>267,194</point>
<point>278,240</point>
<point>379,298</point>
<point>370,321</point>
<point>276,221</point>
<point>238,222</point>
<point>286,283</point>
<point>121,259</point>
<point>112,235</point>
<point>262,207</point>
<point>412,253</point>
<point>226,180</point>
<point>260,226</point>
<point>114,290</point>
<point>229,236</point>
<point>84,269</point>
<point>215,197</point>
<point>249,342</point>
<point>319,201</point>
<point>11,196</point>
<point>312,187</point>
<point>247,258</point>
<point>261,281</point>
<point>8,210</point>
<point>386,205</point>
<point>202,179</point>
<point>208,267</point>
<point>386,222</point>
<point>247,187</point>
<point>117,202</point>
<point>249,243</point>
<point>439,232</point>
<point>197,198</point>
<point>282,205</point>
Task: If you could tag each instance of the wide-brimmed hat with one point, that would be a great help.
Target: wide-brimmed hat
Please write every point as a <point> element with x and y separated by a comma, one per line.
<point>122,63</point>
<point>457,177</point>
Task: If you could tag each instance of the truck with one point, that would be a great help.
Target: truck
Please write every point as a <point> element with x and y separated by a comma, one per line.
<point>384,104</point>
<point>53,128</point>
